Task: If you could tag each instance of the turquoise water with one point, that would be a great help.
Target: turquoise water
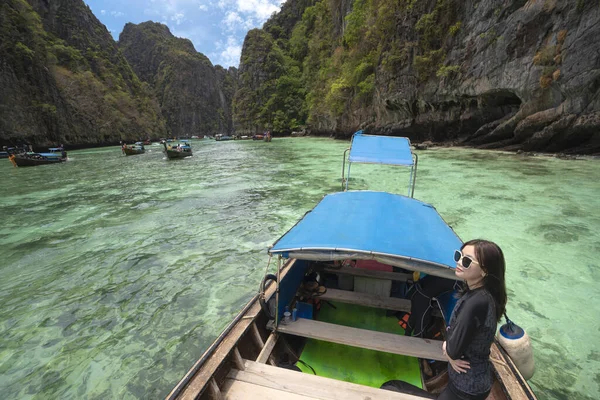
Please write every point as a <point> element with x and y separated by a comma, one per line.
<point>118,272</point>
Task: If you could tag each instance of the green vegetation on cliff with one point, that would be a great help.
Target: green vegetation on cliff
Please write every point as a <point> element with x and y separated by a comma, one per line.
<point>65,81</point>
<point>328,67</point>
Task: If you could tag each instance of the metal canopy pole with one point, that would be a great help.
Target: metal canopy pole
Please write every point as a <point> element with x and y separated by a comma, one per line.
<point>277,291</point>
<point>344,169</point>
<point>348,179</point>
<point>414,176</point>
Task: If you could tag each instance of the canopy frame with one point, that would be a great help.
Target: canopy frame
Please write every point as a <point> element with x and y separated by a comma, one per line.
<point>413,165</point>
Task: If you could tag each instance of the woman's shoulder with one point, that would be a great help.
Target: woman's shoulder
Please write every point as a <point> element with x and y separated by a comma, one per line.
<point>479,300</point>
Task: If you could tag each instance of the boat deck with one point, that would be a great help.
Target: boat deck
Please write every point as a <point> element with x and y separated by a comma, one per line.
<point>264,382</point>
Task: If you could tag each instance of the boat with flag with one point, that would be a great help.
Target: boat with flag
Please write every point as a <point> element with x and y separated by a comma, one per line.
<point>326,321</point>
<point>180,150</point>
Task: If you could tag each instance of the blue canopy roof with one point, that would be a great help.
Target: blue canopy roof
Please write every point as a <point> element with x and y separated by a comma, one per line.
<point>49,155</point>
<point>380,150</point>
<point>393,229</point>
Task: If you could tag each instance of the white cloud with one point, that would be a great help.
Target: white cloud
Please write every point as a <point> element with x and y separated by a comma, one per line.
<point>232,20</point>
<point>103,12</point>
<point>203,7</point>
<point>230,56</point>
<point>178,18</point>
<point>260,8</point>
<point>116,14</point>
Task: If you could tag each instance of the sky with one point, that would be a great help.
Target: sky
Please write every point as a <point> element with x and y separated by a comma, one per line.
<point>216,27</point>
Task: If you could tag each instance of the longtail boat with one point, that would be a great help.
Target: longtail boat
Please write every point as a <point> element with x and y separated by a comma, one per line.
<point>323,324</point>
<point>55,155</point>
<point>133,149</point>
<point>180,150</point>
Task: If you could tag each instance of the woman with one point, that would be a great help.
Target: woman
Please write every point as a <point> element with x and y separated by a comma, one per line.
<point>473,324</point>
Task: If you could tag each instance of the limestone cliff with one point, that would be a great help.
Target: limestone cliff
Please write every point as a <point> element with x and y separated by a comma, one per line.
<point>511,74</point>
<point>195,97</point>
<point>64,80</point>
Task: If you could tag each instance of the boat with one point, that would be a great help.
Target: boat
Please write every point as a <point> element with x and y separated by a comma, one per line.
<point>54,155</point>
<point>133,149</point>
<point>319,327</point>
<point>219,137</point>
<point>6,151</point>
<point>180,150</point>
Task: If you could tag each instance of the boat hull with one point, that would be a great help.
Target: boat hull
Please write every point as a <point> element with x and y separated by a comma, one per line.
<point>132,152</point>
<point>174,154</point>
<point>26,161</point>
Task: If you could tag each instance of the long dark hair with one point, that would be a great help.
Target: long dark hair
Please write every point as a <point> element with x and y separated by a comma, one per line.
<point>491,260</point>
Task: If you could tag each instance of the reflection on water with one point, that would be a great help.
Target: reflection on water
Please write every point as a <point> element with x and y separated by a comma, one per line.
<point>118,272</point>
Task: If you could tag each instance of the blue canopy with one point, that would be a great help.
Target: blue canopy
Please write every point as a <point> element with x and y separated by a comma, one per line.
<point>48,155</point>
<point>393,229</point>
<point>380,150</point>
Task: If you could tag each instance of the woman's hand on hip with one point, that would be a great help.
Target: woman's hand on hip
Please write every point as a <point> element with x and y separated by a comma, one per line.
<point>460,366</point>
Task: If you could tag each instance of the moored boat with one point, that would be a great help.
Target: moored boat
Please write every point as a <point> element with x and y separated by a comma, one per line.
<point>54,155</point>
<point>180,150</point>
<point>320,325</point>
<point>133,149</point>
<point>221,138</point>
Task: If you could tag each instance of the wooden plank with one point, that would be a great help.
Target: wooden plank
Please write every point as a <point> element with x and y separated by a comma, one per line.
<point>214,390</point>
<point>257,337</point>
<point>509,380</point>
<point>386,342</point>
<point>237,358</point>
<point>311,385</point>
<point>200,379</point>
<point>367,273</point>
<point>366,299</point>
<point>268,348</point>
<point>239,390</point>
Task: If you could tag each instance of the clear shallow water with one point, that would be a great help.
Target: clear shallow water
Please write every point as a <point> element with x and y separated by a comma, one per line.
<point>118,272</point>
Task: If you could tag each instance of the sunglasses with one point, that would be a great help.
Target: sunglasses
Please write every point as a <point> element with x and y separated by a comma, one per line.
<point>466,260</point>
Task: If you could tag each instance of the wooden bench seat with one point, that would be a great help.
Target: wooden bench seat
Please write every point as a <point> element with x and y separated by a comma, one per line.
<point>260,381</point>
<point>379,341</point>
<point>366,299</point>
<point>367,273</point>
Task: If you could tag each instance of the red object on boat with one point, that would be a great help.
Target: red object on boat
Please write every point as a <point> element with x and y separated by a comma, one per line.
<point>373,265</point>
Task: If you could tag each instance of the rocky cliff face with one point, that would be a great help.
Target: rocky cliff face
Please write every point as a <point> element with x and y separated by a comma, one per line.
<point>195,97</point>
<point>514,74</point>
<point>64,80</point>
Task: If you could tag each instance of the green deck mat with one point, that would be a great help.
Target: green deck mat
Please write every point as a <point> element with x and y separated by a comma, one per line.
<point>352,364</point>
